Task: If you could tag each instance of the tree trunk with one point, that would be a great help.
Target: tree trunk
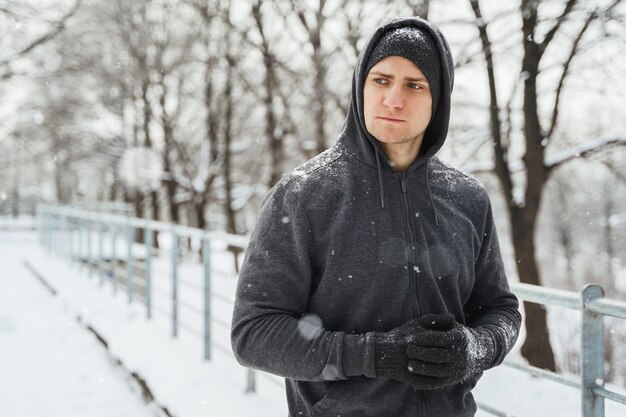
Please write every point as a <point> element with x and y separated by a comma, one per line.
<point>154,199</point>
<point>170,187</point>
<point>523,214</point>
<point>230,213</point>
<point>168,138</point>
<point>319,61</point>
<point>319,103</point>
<point>536,348</point>
<point>139,213</point>
<point>200,207</point>
<point>228,204</point>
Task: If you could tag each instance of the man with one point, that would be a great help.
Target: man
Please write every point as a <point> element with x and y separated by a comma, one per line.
<point>373,281</point>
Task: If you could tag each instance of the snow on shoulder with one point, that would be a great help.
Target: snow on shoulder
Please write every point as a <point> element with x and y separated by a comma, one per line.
<point>455,180</point>
<point>319,165</point>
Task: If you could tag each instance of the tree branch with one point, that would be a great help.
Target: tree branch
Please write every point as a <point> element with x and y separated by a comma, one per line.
<point>300,13</point>
<point>506,140</point>
<point>566,66</point>
<point>59,27</point>
<point>502,169</point>
<point>353,25</point>
<point>584,150</point>
<point>550,35</point>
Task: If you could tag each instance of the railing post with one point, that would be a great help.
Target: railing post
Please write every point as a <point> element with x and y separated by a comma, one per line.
<point>206,261</point>
<point>81,245</point>
<point>59,234</point>
<point>174,282</point>
<point>48,232</point>
<point>114,256</point>
<point>89,255</point>
<point>592,353</point>
<point>61,242</point>
<point>100,251</point>
<point>251,381</point>
<point>76,240</point>
<point>46,228</point>
<point>55,234</point>
<point>72,245</point>
<point>149,240</point>
<point>66,237</point>
<point>67,242</point>
<point>130,237</point>
<point>53,225</point>
<point>40,223</point>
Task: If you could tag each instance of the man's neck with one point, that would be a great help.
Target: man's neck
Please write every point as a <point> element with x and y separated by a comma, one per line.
<point>401,155</point>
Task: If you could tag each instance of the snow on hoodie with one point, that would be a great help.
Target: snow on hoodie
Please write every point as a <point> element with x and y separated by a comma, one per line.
<point>345,247</point>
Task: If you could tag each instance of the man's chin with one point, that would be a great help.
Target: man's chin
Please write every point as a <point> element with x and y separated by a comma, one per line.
<point>390,139</point>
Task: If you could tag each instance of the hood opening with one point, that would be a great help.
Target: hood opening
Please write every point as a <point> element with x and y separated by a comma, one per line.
<point>355,137</point>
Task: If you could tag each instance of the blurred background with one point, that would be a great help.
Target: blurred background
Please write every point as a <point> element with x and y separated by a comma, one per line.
<point>189,111</point>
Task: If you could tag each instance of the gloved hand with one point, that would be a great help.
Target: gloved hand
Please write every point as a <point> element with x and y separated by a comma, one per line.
<point>391,357</point>
<point>447,357</point>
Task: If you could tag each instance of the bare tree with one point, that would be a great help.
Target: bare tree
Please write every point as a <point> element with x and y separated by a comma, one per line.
<point>313,22</point>
<point>273,135</point>
<point>537,136</point>
<point>209,12</point>
<point>231,221</point>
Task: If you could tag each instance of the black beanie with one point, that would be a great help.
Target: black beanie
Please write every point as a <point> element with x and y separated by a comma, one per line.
<point>418,47</point>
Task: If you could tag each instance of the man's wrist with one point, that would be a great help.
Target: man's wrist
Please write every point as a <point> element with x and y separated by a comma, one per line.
<point>482,349</point>
<point>359,355</point>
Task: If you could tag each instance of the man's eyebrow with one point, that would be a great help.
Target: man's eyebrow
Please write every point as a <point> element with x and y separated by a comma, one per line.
<point>391,77</point>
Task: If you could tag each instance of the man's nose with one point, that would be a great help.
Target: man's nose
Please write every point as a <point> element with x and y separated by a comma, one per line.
<point>394,98</point>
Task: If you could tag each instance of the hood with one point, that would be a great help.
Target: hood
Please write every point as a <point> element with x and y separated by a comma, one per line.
<point>355,137</point>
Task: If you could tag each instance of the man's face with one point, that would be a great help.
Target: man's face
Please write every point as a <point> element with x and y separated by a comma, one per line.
<point>397,101</point>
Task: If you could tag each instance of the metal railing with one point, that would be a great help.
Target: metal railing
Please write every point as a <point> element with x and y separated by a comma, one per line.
<point>80,235</point>
<point>593,306</point>
<point>68,231</point>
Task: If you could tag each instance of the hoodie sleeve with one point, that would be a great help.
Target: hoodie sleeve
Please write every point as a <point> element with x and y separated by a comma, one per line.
<point>492,306</point>
<point>271,330</point>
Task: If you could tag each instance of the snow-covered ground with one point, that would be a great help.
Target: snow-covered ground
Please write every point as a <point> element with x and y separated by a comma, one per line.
<point>51,365</point>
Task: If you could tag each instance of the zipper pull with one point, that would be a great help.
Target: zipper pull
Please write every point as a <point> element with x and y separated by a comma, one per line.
<point>403,183</point>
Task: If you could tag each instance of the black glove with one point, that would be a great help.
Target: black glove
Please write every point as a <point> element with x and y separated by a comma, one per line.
<point>448,357</point>
<point>392,361</point>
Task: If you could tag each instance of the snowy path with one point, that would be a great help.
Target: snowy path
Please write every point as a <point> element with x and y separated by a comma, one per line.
<point>50,365</point>
<point>173,368</point>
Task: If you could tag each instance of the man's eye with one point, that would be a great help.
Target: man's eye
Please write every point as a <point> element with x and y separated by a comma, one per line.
<point>380,81</point>
<point>415,86</point>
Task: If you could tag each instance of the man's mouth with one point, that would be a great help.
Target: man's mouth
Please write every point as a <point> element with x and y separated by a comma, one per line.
<point>390,119</point>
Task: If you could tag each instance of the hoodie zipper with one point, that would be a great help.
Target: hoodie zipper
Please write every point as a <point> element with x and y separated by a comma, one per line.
<point>417,311</point>
<point>411,240</point>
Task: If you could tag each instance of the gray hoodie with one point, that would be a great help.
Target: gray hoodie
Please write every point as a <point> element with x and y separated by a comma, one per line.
<point>345,247</point>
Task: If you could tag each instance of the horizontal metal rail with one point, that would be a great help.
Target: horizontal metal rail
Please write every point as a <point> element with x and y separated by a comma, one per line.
<point>494,411</point>
<point>533,370</point>
<point>609,394</point>
<point>568,299</point>
<point>608,307</point>
<point>547,296</point>
<point>237,241</point>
